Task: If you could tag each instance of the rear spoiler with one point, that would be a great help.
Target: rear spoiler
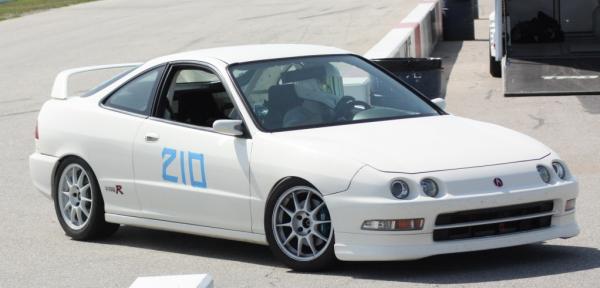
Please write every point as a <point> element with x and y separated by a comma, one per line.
<point>60,88</point>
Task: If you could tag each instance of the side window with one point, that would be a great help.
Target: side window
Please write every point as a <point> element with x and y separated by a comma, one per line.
<point>136,95</point>
<point>195,96</point>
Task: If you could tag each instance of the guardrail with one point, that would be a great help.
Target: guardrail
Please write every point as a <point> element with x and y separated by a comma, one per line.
<point>415,36</point>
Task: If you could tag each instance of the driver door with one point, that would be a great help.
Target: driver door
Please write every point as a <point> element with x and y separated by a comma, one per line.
<point>186,172</point>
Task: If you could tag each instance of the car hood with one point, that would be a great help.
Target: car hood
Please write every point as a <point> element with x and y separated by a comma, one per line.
<point>417,145</point>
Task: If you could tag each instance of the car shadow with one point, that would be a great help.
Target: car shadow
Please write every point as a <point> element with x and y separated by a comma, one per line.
<point>193,245</point>
<point>519,262</point>
<point>448,51</point>
<point>590,103</point>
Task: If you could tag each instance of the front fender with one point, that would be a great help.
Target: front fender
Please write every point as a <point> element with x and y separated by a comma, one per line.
<point>272,161</point>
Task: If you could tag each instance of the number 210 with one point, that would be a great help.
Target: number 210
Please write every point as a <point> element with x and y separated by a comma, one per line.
<point>168,157</point>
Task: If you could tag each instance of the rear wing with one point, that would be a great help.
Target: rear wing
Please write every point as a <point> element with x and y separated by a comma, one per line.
<point>60,87</point>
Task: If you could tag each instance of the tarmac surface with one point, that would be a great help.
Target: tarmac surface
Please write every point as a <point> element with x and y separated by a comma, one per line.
<point>35,252</point>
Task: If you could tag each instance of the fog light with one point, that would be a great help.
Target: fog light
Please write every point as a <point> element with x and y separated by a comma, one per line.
<point>544,173</point>
<point>394,225</point>
<point>570,205</point>
<point>430,187</point>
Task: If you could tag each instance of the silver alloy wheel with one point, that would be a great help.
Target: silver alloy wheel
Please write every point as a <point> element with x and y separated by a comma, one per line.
<point>75,196</point>
<point>302,224</point>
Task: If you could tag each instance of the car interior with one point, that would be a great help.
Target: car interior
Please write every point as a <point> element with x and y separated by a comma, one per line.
<point>300,95</point>
<point>196,97</point>
<point>286,108</point>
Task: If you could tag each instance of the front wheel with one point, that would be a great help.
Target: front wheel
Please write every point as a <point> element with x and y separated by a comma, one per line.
<point>298,227</point>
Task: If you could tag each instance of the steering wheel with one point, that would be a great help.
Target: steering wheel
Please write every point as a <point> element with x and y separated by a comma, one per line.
<point>348,106</point>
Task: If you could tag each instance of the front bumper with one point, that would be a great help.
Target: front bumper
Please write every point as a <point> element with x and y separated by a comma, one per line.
<point>359,203</point>
<point>363,247</point>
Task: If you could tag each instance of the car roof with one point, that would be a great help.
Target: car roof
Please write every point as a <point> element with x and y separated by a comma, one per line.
<point>248,53</point>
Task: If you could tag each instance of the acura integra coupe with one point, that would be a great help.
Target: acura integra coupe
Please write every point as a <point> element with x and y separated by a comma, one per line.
<point>314,151</point>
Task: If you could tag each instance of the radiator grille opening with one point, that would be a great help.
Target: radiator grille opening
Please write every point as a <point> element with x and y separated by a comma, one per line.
<point>484,230</point>
<point>495,213</point>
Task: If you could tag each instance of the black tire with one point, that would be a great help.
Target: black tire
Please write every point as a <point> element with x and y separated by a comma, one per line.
<point>326,260</point>
<point>95,227</point>
<point>495,68</point>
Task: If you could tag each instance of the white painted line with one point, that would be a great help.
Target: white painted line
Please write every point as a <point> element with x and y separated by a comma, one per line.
<point>175,281</point>
<point>582,77</point>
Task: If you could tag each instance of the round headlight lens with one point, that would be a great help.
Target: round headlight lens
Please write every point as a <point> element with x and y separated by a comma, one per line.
<point>559,169</point>
<point>430,188</point>
<point>399,189</point>
<point>544,173</point>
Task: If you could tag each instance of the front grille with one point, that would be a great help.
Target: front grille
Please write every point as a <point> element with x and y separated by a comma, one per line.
<point>491,229</point>
<point>495,213</point>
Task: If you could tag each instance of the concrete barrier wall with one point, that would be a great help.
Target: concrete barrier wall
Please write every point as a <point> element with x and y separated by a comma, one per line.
<point>415,36</point>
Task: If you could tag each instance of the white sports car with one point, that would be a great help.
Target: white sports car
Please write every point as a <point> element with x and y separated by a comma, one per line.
<point>312,150</point>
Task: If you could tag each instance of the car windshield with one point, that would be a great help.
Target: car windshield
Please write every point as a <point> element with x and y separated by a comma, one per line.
<point>318,91</point>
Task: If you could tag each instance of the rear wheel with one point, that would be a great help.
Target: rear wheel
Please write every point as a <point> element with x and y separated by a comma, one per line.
<point>495,67</point>
<point>298,227</point>
<point>78,203</point>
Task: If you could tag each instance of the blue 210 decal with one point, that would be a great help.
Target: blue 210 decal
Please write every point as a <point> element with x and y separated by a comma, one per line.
<point>168,157</point>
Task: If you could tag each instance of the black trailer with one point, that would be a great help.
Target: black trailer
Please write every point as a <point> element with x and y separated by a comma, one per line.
<point>546,47</point>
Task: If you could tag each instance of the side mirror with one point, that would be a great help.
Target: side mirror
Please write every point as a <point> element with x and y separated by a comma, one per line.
<point>229,127</point>
<point>440,102</point>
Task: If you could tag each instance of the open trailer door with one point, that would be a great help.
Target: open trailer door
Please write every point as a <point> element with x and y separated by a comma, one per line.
<point>530,77</point>
<point>552,48</point>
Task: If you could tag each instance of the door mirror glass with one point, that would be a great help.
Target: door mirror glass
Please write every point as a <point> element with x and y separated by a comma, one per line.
<point>440,102</point>
<point>229,127</point>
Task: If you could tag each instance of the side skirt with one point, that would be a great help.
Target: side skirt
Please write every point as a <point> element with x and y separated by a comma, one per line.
<point>187,228</point>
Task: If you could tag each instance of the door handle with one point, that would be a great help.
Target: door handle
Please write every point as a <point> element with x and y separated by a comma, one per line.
<point>151,137</point>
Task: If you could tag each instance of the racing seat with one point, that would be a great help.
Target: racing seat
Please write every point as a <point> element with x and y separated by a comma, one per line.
<point>198,107</point>
<point>282,99</point>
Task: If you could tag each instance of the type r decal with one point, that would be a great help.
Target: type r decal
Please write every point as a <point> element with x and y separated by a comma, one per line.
<point>174,174</point>
<point>118,189</point>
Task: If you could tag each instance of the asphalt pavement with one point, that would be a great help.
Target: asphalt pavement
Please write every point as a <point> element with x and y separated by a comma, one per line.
<point>34,252</point>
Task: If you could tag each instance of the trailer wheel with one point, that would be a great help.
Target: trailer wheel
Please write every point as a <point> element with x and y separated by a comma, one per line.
<point>495,67</point>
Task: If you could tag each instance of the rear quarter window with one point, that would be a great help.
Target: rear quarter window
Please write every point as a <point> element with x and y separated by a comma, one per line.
<point>137,94</point>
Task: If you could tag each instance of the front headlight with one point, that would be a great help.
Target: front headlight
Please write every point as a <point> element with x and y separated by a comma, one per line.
<point>399,189</point>
<point>544,173</point>
<point>430,188</point>
<point>559,169</point>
